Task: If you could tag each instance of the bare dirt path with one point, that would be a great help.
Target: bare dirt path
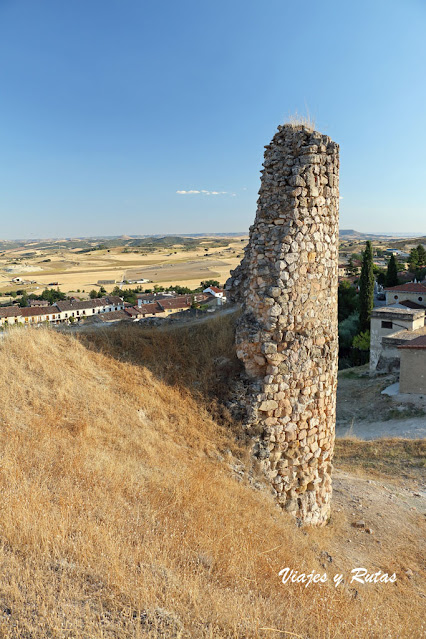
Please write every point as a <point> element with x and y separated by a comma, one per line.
<point>363,411</point>
<point>414,428</point>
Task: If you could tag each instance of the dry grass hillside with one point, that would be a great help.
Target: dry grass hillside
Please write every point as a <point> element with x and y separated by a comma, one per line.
<point>122,514</point>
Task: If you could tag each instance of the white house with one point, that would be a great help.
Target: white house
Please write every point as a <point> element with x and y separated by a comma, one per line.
<point>219,293</point>
<point>79,310</point>
<point>412,291</point>
<point>391,326</point>
<point>11,315</point>
<point>61,311</point>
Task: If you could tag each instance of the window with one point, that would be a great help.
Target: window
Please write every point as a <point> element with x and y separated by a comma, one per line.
<point>386,324</point>
<point>395,297</point>
<point>420,299</point>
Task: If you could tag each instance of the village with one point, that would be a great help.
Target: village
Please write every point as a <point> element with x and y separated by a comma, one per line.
<point>109,309</point>
<point>395,333</point>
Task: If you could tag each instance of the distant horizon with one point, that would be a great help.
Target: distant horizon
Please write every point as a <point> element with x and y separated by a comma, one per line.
<point>184,234</point>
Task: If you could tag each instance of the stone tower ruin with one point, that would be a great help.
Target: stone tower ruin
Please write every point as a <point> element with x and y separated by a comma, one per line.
<point>287,334</point>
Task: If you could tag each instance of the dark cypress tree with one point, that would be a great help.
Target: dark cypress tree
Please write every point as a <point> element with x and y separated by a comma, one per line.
<point>414,260</point>
<point>366,288</point>
<point>421,252</point>
<point>392,272</point>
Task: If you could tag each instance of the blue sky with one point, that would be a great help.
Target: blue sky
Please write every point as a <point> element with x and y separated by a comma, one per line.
<point>108,108</point>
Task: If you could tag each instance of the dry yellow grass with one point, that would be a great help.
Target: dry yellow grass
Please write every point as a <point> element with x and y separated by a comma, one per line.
<point>298,120</point>
<point>119,516</point>
<point>198,357</point>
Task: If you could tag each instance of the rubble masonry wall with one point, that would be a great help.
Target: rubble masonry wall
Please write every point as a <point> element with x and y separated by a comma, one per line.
<point>287,335</point>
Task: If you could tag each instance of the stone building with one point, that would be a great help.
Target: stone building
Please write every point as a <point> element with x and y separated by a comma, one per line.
<point>411,291</point>
<point>391,326</point>
<point>412,377</point>
<point>287,334</point>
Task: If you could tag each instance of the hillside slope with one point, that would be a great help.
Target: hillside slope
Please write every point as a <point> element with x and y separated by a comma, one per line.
<point>122,514</point>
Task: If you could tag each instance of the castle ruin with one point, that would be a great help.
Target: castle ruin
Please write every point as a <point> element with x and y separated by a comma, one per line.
<point>287,334</point>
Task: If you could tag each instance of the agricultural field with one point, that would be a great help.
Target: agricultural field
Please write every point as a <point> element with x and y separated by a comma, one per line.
<point>354,242</point>
<point>74,265</point>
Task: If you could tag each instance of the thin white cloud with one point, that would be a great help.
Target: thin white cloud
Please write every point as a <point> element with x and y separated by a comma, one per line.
<point>202,192</point>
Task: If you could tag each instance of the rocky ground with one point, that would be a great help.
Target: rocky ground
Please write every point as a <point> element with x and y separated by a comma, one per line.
<point>363,410</point>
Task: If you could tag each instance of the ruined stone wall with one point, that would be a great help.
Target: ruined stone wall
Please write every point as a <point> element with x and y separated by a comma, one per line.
<point>287,334</point>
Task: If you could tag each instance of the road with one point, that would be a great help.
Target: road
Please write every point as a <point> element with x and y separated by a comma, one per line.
<point>411,428</point>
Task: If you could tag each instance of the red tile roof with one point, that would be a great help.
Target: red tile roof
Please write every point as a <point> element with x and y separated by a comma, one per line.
<point>419,342</point>
<point>410,287</point>
<point>113,316</point>
<point>133,311</point>
<point>150,309</point>
<point>38,303</point>
<point>183,301</point>
<point>10,311</point>
<point>114,300</point>
<point>215,289</point>
<point>34,311</point>
<point>97,302</point>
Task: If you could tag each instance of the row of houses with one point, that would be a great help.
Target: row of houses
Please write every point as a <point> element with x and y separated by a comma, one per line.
<point>398,336</point>
<point>107,309</point>
<point>60,312</point>
<point>208,293</point>
<point>159,308</point>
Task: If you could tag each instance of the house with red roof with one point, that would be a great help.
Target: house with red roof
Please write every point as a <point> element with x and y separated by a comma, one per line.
<point>216,292</point>
<point>411,291</point>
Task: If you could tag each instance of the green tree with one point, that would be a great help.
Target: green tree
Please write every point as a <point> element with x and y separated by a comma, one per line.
<point>362,341</point>
<point>392,272</point>
<point>351,269</point>
<point>128,295</point>
<point>24,300</point>
<point>347,300</point>
<point>347,331</point>
<point>421,252</point>
<point>93,294</point>
<point>413,261</point>
<point>381,277</point>
<point>208,283</point>
<point>420,274</point>
<point>366,288</point>
<point>52,295</point>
